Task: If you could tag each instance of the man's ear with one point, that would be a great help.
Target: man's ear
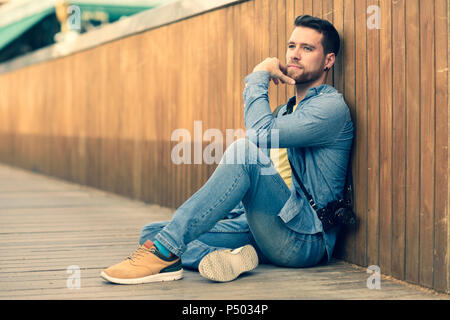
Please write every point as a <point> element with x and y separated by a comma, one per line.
<point>329,61</point>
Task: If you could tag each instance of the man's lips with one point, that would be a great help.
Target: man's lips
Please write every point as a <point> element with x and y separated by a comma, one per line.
<point>294,66</point>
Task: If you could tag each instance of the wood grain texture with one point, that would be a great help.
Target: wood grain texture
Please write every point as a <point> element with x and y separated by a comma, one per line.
<point>412,141</point>
<point>386,178</point>
<point>398,139</point>
<point>361,139</point>
<point>349,91</point>
<point>373,143</point>
<point>427,142</point>
<point>441,183</point>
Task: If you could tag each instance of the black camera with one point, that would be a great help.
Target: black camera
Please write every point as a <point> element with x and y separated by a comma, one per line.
<point>336,213</point>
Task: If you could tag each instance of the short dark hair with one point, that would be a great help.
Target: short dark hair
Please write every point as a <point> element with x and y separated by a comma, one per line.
<point>330,40</point>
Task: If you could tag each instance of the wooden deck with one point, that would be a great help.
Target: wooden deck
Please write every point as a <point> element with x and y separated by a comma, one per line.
<point>47,225</point>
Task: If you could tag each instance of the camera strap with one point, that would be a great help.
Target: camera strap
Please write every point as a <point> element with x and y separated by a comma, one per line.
<point>308,196</point>
<point>348,190</point>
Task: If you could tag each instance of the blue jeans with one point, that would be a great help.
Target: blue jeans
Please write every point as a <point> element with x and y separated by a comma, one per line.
<point>198,226</point>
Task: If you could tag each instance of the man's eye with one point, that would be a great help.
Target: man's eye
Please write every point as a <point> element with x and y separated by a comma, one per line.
<point>308,48</point>
<point>291,46</point>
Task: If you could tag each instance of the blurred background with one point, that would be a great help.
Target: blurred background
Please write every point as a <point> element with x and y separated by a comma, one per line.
<point>27,25</point>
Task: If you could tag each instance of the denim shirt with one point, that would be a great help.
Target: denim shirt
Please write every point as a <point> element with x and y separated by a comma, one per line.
<point>318,136</point>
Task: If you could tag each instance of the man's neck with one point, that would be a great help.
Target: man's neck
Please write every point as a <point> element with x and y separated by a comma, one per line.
<point>302,88</point>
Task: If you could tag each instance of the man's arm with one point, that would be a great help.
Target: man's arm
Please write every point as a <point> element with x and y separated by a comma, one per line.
<point>314,125</point>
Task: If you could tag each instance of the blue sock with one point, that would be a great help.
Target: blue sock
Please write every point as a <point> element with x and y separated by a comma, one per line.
<point>161,248</point>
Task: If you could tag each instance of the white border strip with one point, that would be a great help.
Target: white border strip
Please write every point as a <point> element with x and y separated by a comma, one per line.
<point>146,20</point>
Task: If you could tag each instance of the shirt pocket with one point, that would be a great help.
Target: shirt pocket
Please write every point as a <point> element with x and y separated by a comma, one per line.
<point>301,219</point>
<point>291,208</point>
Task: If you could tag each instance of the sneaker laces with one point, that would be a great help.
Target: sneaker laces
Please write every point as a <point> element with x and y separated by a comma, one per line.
<point>140,252</point>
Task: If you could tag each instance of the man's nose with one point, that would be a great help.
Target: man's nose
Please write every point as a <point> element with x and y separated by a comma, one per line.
<point>295,55</point>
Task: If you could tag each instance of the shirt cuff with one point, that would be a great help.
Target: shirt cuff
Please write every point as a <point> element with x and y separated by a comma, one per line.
<point>257,77</point>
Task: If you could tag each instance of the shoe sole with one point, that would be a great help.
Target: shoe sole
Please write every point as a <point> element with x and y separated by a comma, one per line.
<point>166,276</point>
<point>224,266</point>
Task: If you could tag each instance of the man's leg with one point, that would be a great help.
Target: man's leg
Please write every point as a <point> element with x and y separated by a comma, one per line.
<point>226,234</point>
<point>244,173</point>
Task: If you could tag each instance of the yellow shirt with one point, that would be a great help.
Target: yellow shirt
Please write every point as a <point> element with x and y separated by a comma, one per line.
<point>281,163</point>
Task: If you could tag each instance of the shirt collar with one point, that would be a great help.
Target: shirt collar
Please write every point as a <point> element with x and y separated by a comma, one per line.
<point>323,88</point>
<point>290,104</point>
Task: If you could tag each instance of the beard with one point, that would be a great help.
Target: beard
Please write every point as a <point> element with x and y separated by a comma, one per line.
<point>301,76</point>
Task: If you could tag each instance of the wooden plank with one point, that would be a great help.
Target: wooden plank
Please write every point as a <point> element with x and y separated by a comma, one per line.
<point>81,103</point>
<point>327,13</point>
<point>281,46</point>
<point>440,264</point>
<point>308,6</point>
<point>427,144</point>
<point>448,135</point>
<point>92,120</point>
<point>194,71</point>
<point>338,22</point>
<point>243,55</point>
<point>169,85</point>
<point>273,49</point>
<point>148,113</point>
<point>238,106</point>
<point>289,27</point>
<point>190,69</point>
<point>168,103</point>
<point>373,143</point>
<point>360,180</point>
<point>102,110</point>
<point>264,16</point>
<point>181,112</point>
<point>260,25</point>
<point>317,8</point>
<point>398,139</point>
<point>231,106</point>
<point>155,58</point>
<point>250,41</point>
<point>386,138</point>
<point>349,94</point>
<point>208,86</point>
<point>412,141</point>
<point>138,164</point>
<point>338,80</point>
<point>298,8</point>
<point>290,18</point>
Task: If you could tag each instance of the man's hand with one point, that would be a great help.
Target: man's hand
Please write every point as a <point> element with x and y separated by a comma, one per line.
<point>276,70</point>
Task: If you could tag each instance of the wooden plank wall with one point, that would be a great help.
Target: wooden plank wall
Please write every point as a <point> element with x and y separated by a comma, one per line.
<point>104,117</point>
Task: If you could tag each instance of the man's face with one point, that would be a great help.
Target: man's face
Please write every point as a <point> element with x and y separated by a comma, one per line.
<point>305,58</point>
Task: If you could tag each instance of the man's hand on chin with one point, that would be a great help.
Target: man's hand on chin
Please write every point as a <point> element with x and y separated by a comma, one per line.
<point>276,69</point>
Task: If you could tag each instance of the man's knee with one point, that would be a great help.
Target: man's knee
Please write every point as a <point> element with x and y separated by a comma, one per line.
<point>241,151</point>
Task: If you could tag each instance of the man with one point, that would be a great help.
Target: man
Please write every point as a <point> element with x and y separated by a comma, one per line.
<point>252,209</point>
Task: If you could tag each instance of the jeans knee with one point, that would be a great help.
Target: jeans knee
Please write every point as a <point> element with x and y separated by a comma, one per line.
<point>149,231</point>
<point>241,151</point>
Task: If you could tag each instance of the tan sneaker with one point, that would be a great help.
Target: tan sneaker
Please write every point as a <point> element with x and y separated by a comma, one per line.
<point>145,265</point>
<point>226,264</point>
